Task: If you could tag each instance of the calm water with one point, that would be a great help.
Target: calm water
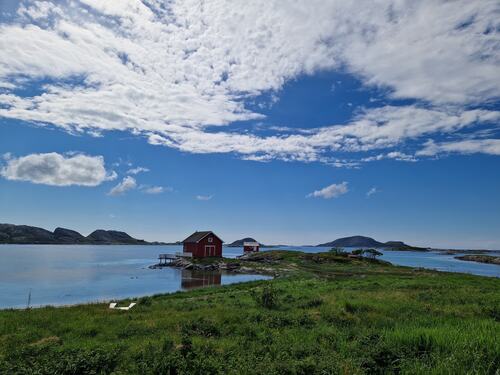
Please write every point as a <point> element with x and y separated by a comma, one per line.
<point>63,275</point>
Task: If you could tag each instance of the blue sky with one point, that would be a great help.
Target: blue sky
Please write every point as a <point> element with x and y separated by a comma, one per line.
<point>164,119</point>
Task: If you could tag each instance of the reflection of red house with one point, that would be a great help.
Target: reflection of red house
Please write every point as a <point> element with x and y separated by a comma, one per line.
<point>198,279</point>
<point>203,244</point>
<point>250,246</point>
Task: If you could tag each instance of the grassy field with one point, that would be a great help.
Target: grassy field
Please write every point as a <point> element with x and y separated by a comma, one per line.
<point>325,314</point>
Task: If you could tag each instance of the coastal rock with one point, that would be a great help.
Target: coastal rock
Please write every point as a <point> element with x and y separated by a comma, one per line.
<point>480,259</point>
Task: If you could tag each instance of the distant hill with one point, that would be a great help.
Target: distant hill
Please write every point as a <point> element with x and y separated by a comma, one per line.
<point>239,243</point>
<point>112,236</point>
<point>25,234</point>
<point>64,235</point>
<point>361,241</point>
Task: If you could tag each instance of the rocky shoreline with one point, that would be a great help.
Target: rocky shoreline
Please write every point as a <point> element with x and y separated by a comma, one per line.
<point>239,265</point>
<point>489,259</point>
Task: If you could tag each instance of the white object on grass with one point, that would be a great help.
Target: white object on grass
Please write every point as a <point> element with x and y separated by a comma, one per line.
<point>113,306</point>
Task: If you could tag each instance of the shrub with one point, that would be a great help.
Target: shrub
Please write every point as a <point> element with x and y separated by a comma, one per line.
<point>315,302</point>
<point>55,361</point>
<point>145,301</point>
<point>352,308</point>
<point>492,312</point>
<point>202,327</point>
<point>162,359</point>
<point>337,251</point>
<point>269,297</point>
<point>372,253</point>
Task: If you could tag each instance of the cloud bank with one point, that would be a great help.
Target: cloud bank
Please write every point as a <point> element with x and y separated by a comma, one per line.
<point>180,73</point>
<point>57,170</point>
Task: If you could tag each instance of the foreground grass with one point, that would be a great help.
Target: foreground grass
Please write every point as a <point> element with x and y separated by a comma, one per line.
<point>326,314</point>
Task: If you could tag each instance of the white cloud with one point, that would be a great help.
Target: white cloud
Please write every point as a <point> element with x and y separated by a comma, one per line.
<point>372,191</point>
<point>128,183</point>
<point>331,191</point>
<point>57,170</point>
<point>156,189</point>
<point>470,146</point>
<point>204,197</point>
<point>396,155</point>
<point>168,71</point>
<point>137,170</point>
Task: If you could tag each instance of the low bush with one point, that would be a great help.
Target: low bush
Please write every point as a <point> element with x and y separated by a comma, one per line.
<point>268,297</point>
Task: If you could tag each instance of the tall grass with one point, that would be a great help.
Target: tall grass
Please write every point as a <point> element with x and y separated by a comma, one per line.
<point>327,317</point>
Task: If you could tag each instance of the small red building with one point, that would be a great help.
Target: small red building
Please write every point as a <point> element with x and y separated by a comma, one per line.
<point>250,247</point>
<point>203,244</point>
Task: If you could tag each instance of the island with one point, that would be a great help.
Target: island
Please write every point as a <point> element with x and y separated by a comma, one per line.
<point>362,241</point>
<point>491,259</point>
<point>239,243</point>
<point>29,235</point>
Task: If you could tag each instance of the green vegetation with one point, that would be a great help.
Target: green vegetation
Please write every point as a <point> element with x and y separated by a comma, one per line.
<point>326,313</point>
<point>369,253</point>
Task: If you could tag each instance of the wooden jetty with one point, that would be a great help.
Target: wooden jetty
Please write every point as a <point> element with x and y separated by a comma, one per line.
<point>166,259</point>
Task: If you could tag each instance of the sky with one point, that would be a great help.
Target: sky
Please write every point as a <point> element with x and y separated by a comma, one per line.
<point>293,122</point>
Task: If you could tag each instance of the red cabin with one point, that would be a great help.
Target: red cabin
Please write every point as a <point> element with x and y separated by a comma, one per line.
<point>202,244</point>
<point>250,247</point>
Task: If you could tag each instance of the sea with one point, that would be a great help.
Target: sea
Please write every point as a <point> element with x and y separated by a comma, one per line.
<point>40,275</point>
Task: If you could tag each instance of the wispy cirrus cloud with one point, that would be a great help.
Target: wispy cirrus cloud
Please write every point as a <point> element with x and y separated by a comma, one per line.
<point>156,189</point>
<point>137,170</point>
<point>467,146</point>
<point>330,191</point>
<point>128,183</point>
<point>167,72</point>
<point>373,190</point>
<point>204,197</point>
<point>57,169</point>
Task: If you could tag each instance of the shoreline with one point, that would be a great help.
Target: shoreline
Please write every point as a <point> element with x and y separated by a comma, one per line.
<point>327,313</point>
<point>480,258</point>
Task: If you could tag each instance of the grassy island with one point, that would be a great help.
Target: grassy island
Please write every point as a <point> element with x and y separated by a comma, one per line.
<point>324,313</point>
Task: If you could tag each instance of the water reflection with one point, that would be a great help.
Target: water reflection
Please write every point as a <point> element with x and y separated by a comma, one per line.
<point>69,274</point>
<point>191,279</point>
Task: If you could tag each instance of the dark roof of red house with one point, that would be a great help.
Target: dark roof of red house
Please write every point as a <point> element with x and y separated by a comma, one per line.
<point>198,236</point>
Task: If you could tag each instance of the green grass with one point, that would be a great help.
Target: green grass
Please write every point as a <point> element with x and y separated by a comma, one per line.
<point>326,314</point>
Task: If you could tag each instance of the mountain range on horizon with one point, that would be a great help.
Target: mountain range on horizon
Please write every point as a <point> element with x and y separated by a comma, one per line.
<point>25,234</point>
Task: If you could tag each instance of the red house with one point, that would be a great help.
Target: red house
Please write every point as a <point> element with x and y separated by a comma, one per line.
<point>251,247</point>
<point>202,244</point>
